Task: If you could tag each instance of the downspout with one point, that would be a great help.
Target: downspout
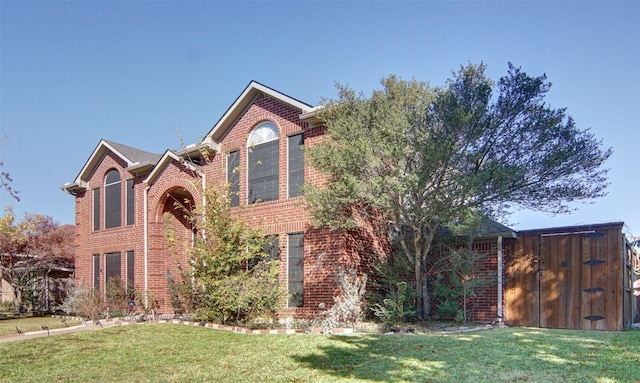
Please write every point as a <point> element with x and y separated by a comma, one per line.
<point>146,246</point>
<point>203,176</point>
<point>500,283</point>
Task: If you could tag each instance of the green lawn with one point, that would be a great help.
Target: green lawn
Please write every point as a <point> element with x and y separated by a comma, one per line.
<point>8,326</point>
<point>178,353</point>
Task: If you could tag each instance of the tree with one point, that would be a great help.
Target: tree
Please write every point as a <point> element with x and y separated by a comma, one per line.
<point>428,157</point>
<point>29,247</point>
<point>5,180</point>
<point>234,279</point>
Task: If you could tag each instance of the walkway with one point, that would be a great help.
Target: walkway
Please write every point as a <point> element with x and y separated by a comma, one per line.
<point>57,331</point>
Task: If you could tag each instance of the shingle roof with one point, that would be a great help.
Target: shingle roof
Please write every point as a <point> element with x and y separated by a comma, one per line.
<point>133,154</point>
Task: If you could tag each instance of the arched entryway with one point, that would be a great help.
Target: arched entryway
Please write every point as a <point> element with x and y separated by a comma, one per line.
<point>171,237</point>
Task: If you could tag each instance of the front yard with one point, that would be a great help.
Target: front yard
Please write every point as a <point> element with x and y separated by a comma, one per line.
<point>177,353</point>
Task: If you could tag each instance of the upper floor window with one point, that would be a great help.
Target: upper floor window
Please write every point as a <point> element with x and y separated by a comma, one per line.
<point>295,164</point>
<point>263,163</point>
<point>112,197</point>
<point>131,202</point>
<point>96,209</point>
<point>233,177</point>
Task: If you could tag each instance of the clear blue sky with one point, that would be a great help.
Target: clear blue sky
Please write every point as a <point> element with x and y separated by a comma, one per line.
<point>139,72</point>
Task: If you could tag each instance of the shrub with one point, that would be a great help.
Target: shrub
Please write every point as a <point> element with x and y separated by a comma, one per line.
<point>347,307</point>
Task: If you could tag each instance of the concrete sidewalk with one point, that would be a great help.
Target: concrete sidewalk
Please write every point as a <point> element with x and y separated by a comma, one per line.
<point>52,332</point>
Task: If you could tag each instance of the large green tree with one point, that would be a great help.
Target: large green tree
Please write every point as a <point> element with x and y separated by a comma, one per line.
<point>426,157</point>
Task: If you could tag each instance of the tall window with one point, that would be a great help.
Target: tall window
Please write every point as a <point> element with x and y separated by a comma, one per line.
<point>263,163</point>
<point>112,266</point>
<point>233,177</point>
<point>96,209</point>
<point>130,203</point>
<point>96,271</point>
<point>295,270</point>
<point>112,196</point>
<point>295,164</point>
<point>130,268</point>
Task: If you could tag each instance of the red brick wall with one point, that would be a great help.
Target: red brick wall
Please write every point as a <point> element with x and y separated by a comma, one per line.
<point>323,249</point>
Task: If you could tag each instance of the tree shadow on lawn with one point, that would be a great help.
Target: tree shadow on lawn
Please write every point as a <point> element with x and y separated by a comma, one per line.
<point>493,355</point>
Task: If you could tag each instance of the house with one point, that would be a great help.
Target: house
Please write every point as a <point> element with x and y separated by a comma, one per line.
<point>45,282</point>
<point>123,193</point>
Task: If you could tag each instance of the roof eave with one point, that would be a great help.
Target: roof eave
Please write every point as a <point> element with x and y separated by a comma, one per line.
<point>74,188</point>
<point>243,101</point>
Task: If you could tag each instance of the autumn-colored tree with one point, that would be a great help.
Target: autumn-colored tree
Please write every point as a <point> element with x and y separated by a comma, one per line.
<point>31,246</point>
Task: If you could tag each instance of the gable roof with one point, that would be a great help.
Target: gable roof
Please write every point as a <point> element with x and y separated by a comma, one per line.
<point>166,158</point>
<point>141,162</point>
<point>137,161</point>
<point>243,101</point>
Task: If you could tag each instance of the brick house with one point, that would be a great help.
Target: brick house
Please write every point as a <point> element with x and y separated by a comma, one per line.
<point>122,193</point>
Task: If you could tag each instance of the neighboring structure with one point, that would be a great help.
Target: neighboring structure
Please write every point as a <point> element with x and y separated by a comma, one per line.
<point>46,287</point>
<point>577,277</point>
<point>123,193</point>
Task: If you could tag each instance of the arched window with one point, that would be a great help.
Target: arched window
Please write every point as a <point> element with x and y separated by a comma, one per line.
<point>112,197</point>
<point>263,163</point>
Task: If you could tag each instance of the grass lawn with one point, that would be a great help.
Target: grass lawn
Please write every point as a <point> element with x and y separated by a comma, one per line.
<point>8,326</point>
<point>178,353</point>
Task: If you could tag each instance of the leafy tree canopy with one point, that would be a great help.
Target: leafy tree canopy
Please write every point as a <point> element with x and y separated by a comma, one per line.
<point>428,157</point>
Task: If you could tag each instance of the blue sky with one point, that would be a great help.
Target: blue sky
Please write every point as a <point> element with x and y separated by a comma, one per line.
<point>145,73</point>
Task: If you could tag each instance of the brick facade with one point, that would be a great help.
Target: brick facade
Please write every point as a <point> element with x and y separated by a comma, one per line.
<point>169,179</point>
<point>159,182</point>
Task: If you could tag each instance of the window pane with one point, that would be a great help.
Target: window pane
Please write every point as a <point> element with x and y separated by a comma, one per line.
<point>112,265</point>
<point>130,203</point>
<point>130,268</point>
<point>263,172</point>
<point>96,271</point>
<point>295,270</point>
<point>296,164</point>
<point>96,209</point>
<point>233,177</point>
<point>112,199</point>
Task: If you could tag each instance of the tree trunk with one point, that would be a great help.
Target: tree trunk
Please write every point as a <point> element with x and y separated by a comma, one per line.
<point>420,299</point>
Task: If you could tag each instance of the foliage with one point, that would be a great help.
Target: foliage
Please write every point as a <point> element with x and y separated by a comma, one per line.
<point>347,307</point>
<point>83,302</point>
<point>393,309</point>
<point>429,157</point>
<point>7,306</point>
<point>117,298</point>
<point>391,298</point>
<point>6,180</point>
<point>458,278</point>
<point>233,279</point>
<point>28,248</point>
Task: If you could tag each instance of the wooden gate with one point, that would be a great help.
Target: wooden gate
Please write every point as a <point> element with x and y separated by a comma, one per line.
<point>573,279</point>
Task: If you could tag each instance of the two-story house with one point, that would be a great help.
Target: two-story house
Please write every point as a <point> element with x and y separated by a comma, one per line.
<point>122,194</point>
